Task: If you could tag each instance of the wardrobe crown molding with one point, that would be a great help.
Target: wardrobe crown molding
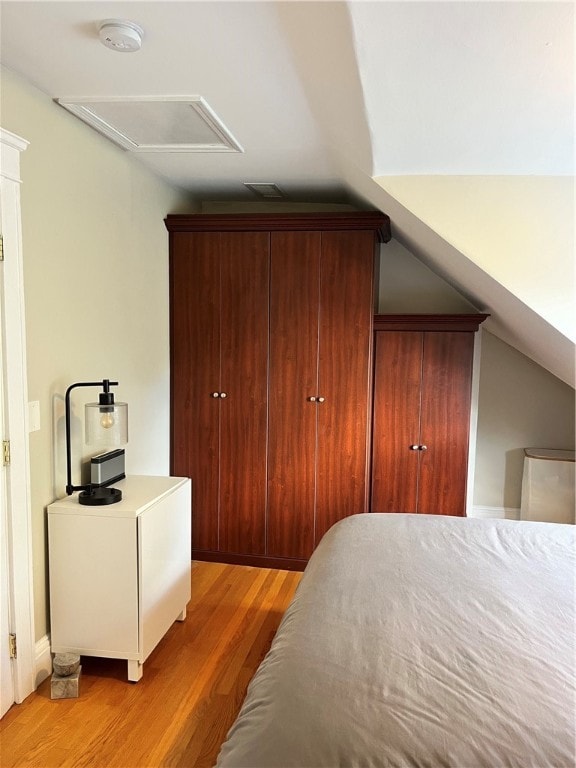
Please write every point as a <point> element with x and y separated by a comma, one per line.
<point>468,322</point>
<point>258,222</point>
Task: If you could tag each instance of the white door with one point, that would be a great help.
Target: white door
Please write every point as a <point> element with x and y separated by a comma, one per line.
<point>7,692</point>
<point>16,598</point>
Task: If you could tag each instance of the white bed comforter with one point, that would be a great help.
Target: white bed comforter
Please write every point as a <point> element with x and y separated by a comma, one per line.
<point>421,641</point>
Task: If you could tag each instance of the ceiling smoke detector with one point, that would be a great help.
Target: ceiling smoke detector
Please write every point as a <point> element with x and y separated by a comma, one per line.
<point>119,35</point>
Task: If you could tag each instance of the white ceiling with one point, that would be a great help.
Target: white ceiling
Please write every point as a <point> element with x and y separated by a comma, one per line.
<point>234,55</point>
<point>324,96</point>
<point>395,87</point>
<point>468,88</point>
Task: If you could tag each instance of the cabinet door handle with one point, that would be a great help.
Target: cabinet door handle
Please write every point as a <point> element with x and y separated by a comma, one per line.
<point>215,394</point>
<point>321,399</point>
<point>312,399</point>
<point>414,447</point>
<point>423,447</point>
<point>223,395</point>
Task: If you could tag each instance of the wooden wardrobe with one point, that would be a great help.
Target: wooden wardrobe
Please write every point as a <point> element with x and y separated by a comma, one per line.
<point>422,401</point>
<point>271,365</point>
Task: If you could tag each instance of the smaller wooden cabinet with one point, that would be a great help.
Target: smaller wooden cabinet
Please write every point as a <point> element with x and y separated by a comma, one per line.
<point>120,574</point>
<point>421,413</point>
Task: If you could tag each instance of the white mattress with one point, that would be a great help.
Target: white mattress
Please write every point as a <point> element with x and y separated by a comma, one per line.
<point>421,641</point>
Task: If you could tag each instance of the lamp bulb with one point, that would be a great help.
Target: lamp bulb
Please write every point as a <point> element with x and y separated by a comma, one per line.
<point>107,420</point>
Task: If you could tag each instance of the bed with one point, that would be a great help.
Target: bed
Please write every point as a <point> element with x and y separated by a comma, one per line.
<point>420,640</point>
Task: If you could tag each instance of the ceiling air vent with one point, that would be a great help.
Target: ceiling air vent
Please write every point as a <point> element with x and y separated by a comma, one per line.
<point>156,124</point>
<point>266,190</point>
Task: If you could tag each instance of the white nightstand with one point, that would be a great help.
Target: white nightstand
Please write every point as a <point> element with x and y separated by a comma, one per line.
<point>120,574</point>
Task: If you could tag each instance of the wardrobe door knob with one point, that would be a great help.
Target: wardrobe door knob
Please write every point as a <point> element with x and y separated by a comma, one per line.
<point>223,395</point>
<point>423,447</point>
<point>312,399</point>
<point>215,394</point>
<point>321,399</point>
<point>414,447</point>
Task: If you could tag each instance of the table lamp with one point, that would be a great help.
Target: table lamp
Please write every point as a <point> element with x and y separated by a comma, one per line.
<point>106,425</point>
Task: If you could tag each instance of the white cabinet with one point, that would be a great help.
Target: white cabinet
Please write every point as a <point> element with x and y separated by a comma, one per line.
<point>548,486</point>
<point>120,574</point>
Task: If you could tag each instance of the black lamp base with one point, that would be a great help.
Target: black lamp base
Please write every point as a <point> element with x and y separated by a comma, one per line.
<point>99,496</point>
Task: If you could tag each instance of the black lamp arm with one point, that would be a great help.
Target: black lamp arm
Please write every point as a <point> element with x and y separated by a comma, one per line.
<point>105,384</point>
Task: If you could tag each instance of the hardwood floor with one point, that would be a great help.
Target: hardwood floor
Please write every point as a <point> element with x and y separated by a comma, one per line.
<point>194,683</point>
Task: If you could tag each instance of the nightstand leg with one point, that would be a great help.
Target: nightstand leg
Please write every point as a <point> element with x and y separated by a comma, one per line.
<point>135,671</point>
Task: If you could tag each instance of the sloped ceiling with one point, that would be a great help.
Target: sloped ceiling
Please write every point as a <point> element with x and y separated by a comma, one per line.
<point>475,88</point>
<point>418,108</point>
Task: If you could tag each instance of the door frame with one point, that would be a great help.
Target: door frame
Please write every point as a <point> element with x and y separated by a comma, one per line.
<point>18,501</point>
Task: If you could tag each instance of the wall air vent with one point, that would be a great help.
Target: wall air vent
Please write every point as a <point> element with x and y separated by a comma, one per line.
<point>156,123</point>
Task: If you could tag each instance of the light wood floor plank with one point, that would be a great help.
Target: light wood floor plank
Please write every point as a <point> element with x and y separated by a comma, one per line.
<point>193,686</point>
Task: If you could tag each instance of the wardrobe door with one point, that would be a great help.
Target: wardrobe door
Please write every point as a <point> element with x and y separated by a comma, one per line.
<point>244,258</point>
<point>446,398</point>
<point>195,375</point>
<point>396,423</point>
<point>346,312</point>
<point>294,294</point>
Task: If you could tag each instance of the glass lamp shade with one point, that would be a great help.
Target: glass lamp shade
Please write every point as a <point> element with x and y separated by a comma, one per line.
<point>106,425</point>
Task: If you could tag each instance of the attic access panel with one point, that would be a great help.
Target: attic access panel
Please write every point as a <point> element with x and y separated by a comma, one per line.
<point>156,124</point>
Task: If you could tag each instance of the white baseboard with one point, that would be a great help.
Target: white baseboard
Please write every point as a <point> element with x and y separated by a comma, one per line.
<point>502,513</point>
<point>43,660</point>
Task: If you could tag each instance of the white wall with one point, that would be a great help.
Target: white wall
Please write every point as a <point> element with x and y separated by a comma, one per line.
<point>520,406</point>
<point>517,229</point>
<point>95,254</point>
<point>408,286</point>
